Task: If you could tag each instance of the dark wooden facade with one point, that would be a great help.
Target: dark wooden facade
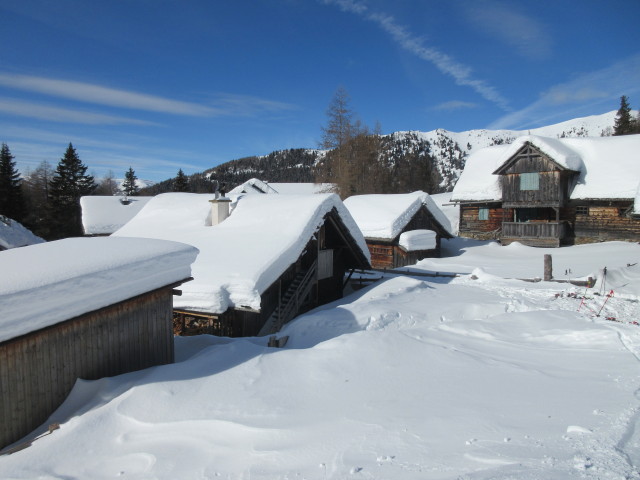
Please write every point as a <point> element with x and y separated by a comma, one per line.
<point>389,254</point>
<point>332,236</point>
<point>545,216</point>
<point>600,221</point>
<point>486,227</point>
<point>38,370</point>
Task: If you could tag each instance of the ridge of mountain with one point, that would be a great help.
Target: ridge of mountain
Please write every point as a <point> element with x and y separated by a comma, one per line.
<point>446,150</point>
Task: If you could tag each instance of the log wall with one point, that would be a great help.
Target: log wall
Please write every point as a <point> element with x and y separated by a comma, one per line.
<point>472,227</point>
<point>605,221</point>
<point>38,370</point>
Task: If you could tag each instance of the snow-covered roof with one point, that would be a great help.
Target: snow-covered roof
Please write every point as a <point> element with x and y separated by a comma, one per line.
<point>13,234</point>
<point>383,216</point>
<point>242,256</point>
<point>258,186</point>
<point>418,240</point>
<point>477,182</point>
<point>45,284</point>
<point>555,148</point>
<point>103,215</point>
<point>608,167</point>
<point>302,188</point>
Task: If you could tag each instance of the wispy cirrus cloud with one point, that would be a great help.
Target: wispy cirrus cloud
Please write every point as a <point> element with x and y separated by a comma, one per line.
<point>604,86</point>
<point>58,114</point>
<point>461,74</point>
<point>247,105</point>
<point>100,95</point>
<point>524,33</point>
<point>223,104</point>
<point>455,105</point>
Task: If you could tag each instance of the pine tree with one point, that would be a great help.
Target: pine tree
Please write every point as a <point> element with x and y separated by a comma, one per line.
<point>181,182</point>
<point>12,203</point>
<point>70,182</point>
<point>623,124</point>
<point>129,186</point>
<point>36,188</point>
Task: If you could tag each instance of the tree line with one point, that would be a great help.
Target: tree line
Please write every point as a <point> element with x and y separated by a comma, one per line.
<point>47,200</point>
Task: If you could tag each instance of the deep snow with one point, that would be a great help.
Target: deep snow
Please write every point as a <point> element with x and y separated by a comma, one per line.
<point>475,377</point>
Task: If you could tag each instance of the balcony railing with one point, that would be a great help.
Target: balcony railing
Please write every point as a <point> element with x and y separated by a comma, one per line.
<point>534,229</point>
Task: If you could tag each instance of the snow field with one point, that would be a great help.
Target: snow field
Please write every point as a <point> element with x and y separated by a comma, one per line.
<point>411,378</point>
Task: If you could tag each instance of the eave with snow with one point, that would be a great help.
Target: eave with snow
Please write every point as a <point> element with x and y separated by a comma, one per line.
<point>274,256</point>
<point>544,191</point>
<point>81,308</point>
<point>399,229</point>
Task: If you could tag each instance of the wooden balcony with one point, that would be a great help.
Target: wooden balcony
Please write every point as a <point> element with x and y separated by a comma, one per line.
<point>535,230</point>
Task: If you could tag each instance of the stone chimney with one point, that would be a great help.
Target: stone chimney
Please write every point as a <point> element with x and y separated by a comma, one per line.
<point>219,209</point>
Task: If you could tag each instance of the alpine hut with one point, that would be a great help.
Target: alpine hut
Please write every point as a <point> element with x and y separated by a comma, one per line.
<point>263,258</point>
<point>81,308</point>
<point>550,192</point>
<point>399,229</point>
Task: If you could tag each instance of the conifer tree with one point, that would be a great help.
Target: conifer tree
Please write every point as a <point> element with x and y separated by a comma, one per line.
<point>181,182</point>
<point>36,188</point>
<point>12,202</point>
<point>623,124</point>
<point>70,182</point>
<point>129,186</point>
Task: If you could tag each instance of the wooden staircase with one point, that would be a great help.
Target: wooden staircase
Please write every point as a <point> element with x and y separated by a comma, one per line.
<point>291,300</point>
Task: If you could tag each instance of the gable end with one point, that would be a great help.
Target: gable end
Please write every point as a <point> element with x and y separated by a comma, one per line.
<point>529,159</point>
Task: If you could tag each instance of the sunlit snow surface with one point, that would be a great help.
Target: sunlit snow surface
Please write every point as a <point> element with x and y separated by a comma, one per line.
<point>412,378</point>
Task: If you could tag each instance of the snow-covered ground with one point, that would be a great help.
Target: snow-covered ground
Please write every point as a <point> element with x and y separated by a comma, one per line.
<point>474,377</point>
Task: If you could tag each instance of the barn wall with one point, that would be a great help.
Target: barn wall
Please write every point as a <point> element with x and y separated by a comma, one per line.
<point>38,370</point>
<point>606,221</point>
<point>551,193</point>
<point>472,227</point>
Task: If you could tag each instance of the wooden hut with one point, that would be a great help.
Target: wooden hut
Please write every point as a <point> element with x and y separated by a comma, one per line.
<point>263,258</point>
<point>400,229</point>
<point>81,308</point>
<point>551,192</point>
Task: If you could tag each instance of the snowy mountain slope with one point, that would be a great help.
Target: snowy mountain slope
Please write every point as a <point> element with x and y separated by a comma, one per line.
<point>450,149</point>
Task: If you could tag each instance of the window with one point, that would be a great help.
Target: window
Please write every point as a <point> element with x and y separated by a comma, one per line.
<point>483,213</point>
<point>530,181</point>
<point>582,211</point>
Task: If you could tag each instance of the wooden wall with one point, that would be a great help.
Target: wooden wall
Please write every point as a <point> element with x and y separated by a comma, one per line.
<point>38,370</point>
<point>554,180</point>
<point>472,227</point>
<point>388,254</point>
<point>606,221</point>
<point>552,190</point>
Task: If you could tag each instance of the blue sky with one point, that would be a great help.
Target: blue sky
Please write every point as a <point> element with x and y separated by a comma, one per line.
<point>160,85</point>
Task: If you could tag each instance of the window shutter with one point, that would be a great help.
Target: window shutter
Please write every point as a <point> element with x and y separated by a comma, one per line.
<point>530,181</point>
